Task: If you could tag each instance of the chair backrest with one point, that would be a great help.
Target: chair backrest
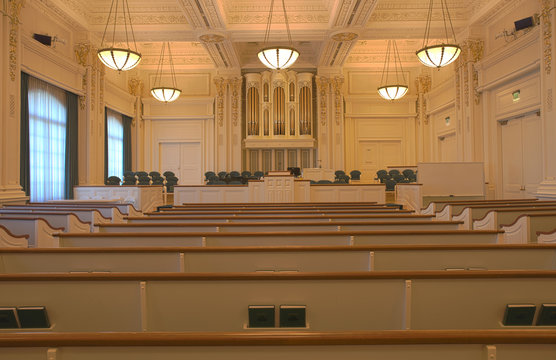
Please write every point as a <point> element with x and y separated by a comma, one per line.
<point>158,181</point>
<point>222,175</point>
<point>408,173</point>
<point>381,174</point>
<point>129,174</point>
<point>394,172</point>
<point>340,181</point>
<point>113,180</point>
<point>390,184</point>
<point>398,178</point>
<point>258,174</point>
<point>168,173</point>
<point>355,175</point>
<point>324,182</point>
<point>235,174</point>
<point>154,174</point>
<point>141,173</point>
<point>246,173</point>
<point>209,174</point>
<point>339,172</point>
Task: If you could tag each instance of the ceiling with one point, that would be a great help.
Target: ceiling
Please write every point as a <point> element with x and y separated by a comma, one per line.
<point>227,34</point>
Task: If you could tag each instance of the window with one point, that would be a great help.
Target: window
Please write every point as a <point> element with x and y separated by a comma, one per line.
<point>47,141</point>
<point>115,143</point>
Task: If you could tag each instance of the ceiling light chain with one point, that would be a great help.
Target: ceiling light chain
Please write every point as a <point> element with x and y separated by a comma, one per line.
<point>118,58</point>
<point>388,90</point>
<point>165,93</point>
<point>278,57</point>
<point>442,54</point>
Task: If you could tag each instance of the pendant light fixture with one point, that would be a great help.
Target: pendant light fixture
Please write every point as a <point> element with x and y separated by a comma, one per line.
<point>118,58</point>
<point>165,93</point>
<point>278,57</point>
<point>392,90</point>
<point>442,54</point>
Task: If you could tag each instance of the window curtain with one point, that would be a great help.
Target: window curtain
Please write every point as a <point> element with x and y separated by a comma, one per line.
<point>114,144</point>
<point>47,140</point>
<point>127,142</point>
<point>72,166</point>
<point>24,179</point>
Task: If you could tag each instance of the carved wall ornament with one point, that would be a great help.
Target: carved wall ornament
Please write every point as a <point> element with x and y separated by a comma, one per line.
<point>135,86</point>
<point>83,98</point>
<point>235,86</point>
<point>547,35</point>
<point>476,86</point>
<point>220,90</point>
<point>458,89</point>
<point>82,51</point>
<point>322,90</point>
<point>253,84</point>
<point>14,11</point>
<point>337,83</point>
<point>102,72</point>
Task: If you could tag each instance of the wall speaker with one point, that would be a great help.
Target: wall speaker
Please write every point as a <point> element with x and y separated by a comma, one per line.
<point>43,39</point>
<point>524,23</point>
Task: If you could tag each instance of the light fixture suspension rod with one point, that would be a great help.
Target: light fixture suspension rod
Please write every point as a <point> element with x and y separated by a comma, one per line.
<point>397,56</point>
<point>107,22</point>
<point>267,32</point>
<point>131,27</point>
<point>451,25</point>
<point>158,76</point>
<point>386,62</point>
<point>428,25</point>
<point>115,22</point>
<point>287,23</point>
<point>172,67</point>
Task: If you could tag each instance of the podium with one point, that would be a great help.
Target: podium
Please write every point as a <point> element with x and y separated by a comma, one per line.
<point>278,187</point>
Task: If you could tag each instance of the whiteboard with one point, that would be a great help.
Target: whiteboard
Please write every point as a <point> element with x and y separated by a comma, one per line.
<point>452,178</point>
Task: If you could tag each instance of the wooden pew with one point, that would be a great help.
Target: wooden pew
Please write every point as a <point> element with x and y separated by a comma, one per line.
<point>8,240</point>
<point>438,206</point>
<point>525,228</point>
<point>546,237</point>
<point>40,233</point>
<point>394,217</point>
<point>495,219</point>
<point>173,302</point>
<point>377,211</point>
<point>270,226</point>
<point>283,238</point>
<point>290,258</point>
<point>111,214</point>
<point>468,213</point>
<point>85,215</point>
<point>125,208</point>
<point>511,344</point>
<point>68,222</point>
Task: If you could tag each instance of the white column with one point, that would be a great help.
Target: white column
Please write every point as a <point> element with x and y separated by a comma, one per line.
<point>547,188</point>
<point>10,60</point>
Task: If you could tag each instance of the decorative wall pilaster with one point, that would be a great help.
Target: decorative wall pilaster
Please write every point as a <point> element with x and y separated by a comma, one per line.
<point>423,86</point>
<point>469,115</point>
<point>91,116</point>
<point>330,113</point>
<point>136,87</point>
<point>10,63</point>
<point>547,188</point>
<point>228,125</point>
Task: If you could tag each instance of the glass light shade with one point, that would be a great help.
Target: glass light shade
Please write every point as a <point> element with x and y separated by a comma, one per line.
<point>119,59</point>
<point>438,55</point>
<point>392,92</point>
<point>165,94</point>
<point>278,57</point>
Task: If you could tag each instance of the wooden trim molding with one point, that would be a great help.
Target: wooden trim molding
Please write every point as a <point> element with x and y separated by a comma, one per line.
<point>280,338</point>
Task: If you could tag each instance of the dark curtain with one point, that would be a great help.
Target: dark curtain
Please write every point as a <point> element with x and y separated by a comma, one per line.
<point>127,142</point>
<point>24,176</point>
<point>72,166</point>
<point>105,144</point>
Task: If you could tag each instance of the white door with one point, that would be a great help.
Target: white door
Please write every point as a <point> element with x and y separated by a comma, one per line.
<point>374,155</point>
<point>184,159</point>
<point>447,148</point>
<point>521,157</point>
